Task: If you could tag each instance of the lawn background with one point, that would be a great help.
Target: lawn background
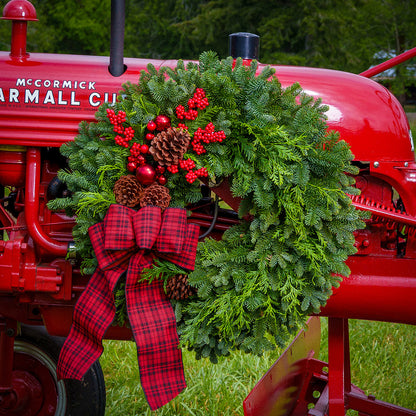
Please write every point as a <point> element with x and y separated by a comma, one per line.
<point>383,363</point>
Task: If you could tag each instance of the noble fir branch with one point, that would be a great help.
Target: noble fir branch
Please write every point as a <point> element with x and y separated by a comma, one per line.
<point>95,204</point>
<point>161,269</point>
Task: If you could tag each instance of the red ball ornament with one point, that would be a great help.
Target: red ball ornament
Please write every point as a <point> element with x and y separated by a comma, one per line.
<point>151,125</point>
<point>132,166</point>
<point>162,122</point>
<point>162,180</point>
<point>150,136</point>
<point>146,174</point>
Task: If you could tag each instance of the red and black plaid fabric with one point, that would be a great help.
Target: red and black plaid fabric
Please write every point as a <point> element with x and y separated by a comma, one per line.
<point>128,241</point>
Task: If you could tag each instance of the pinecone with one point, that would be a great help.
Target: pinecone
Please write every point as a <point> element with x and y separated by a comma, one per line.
<point>169,146</point>
<point>157,195</point>
<point>127,191</point>
<point>178,288</point>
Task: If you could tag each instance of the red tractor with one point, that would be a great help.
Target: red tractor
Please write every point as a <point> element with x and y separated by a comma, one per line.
<point>43,98</point>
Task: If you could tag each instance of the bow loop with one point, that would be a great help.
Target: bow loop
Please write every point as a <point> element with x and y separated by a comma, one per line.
<point>186,258</point>
<point>119,233</point>
<point>172,232</point>
<point>107,259</point>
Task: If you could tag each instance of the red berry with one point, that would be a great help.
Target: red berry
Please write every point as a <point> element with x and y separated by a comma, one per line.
<point>150,136</point>
<point>160,169</point>
<point>141,159</point>
<point>144,148</point>
<point>132,166</point>
<point>151,125</point>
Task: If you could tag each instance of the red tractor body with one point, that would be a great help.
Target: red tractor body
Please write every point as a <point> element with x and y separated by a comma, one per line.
<point>44,97</point>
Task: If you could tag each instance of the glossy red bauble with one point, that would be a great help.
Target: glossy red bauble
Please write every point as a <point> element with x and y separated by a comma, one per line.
<point>162,122</point>
<point>146,174</point>
<point>150,136</point>
<point>144,148</point>
<point>151,125</point>
<point>162,180</point>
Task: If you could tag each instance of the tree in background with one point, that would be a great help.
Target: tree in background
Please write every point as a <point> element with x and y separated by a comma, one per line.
<point>339,34</point>
<point>153,29</point>
<point>66,26</point>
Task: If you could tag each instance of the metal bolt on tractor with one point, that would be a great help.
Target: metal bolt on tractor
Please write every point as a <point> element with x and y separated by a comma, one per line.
<point>44,97</point>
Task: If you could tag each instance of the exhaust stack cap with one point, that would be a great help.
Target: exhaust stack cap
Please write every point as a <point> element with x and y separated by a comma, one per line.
<point>19,10</point>
<point>244,45</point>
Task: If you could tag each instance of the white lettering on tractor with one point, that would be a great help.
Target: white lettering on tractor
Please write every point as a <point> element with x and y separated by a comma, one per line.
<point>23,82</point>
<point>13,95</point>
<point>92,96</point>
<point>73,100</point>
<point>49,98</point>
<point>32,97</point>
<point>61,101</point>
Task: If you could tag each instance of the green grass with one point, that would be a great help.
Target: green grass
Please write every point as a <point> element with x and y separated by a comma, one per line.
<point>212,389</point>
<point>383,363</point>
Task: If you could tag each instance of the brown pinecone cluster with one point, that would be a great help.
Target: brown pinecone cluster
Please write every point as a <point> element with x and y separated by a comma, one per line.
<point>169,146</point>
<point>178,288</point>
<point>127,191</point>
<point>157,195</point>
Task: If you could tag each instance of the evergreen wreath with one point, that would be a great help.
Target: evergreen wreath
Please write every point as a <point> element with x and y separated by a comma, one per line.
<point>258,284</point>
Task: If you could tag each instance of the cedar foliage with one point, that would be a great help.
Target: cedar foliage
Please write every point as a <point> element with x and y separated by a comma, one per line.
<point>260,282</point>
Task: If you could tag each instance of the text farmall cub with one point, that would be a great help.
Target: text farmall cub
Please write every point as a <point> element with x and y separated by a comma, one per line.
<point>44,97</point>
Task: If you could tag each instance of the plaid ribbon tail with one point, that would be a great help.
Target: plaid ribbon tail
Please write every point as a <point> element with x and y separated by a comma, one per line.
<point>93,314</point>
<point>153,323</point>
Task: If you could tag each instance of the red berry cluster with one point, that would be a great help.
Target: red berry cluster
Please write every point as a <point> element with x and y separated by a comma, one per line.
<point>189,165</point>
<point>207,135</point>
<point>124,134</point>
<point>136,157</point>
<point>186,164</point>
<point>191,176</point>
<point>173,168</point>
<point>198,101</point>
<point>116,118</point>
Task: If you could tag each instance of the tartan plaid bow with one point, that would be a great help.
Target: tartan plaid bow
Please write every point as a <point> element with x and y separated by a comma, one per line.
<point>128,241</point>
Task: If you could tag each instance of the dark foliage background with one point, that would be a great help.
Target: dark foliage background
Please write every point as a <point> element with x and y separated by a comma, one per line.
<point>349,35</point>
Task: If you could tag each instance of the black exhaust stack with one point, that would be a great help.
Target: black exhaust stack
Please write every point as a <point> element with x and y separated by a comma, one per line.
<point>244,45</point>
<point>117,66</point>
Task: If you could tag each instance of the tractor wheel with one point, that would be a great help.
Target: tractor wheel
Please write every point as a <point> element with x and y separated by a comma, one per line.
<point>36,390</point>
